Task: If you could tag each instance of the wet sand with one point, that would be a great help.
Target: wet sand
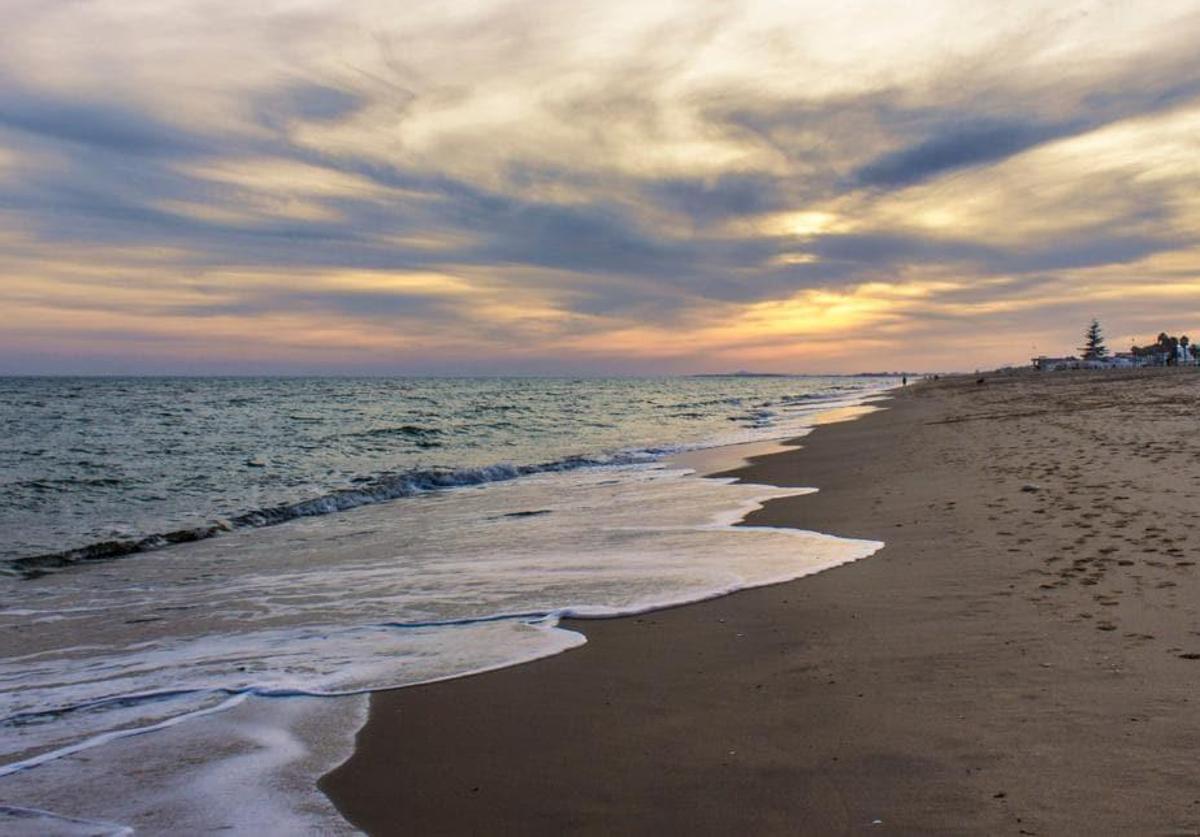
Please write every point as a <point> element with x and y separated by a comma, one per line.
<point>1021,657</point>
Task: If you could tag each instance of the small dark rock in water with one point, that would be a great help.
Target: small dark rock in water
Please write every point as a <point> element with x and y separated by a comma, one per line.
<point>979,380</point>
<point>1031,487</point>
<point>528,513</point>
<point>255,463</point>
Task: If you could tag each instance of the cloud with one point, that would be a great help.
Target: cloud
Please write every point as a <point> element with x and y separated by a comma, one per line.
<point>710,200</point>
<point>636,176</point>
<point>972,142</point>
<point>92,124</point>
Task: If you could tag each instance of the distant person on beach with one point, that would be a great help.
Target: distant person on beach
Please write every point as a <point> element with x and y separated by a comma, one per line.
<point>903,380</point>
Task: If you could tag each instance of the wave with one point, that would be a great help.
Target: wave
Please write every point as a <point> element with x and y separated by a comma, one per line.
<point>376,489</point>
<point>66,484</point>
<point>548,620</point>
<point>707,402</point>
<point>411,430</point>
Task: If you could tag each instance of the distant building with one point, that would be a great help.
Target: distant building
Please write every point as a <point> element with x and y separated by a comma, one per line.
<point>1054,364</point>
<point>1166,351</point>
<point>1121,360</point>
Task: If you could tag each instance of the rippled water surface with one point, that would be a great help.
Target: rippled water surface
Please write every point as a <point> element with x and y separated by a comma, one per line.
<point>426,529</point>
<point>89,460</point>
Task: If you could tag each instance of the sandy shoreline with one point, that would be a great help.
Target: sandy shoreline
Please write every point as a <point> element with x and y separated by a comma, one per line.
<point>1017,659</point>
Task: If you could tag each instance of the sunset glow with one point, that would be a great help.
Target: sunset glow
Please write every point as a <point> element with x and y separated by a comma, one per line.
<point>516,187</point>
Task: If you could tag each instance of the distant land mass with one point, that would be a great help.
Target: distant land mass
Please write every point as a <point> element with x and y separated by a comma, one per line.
<point>742,373</point>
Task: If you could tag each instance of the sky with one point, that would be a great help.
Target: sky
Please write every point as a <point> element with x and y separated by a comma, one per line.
<point>475,187</point>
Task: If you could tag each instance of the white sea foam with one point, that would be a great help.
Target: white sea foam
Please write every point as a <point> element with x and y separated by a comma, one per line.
<point>22,821</point>
<point>418,589</point>
<point>249,770</point>
<point>97,469</point>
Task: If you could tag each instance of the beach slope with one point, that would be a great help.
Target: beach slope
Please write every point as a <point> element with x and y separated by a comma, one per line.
<point>1021,656</point>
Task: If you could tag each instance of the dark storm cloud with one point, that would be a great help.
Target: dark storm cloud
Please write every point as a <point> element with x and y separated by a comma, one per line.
<point>835,142</point>
<point>106,125</point>
<point>1085,248</point>
<point>1087,251</point>
<point>708,200</point>
<point>587,239</point>
<point>960,145</point>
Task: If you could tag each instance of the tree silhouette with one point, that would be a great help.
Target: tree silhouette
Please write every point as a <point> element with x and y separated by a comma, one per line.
<point>1094,348</point>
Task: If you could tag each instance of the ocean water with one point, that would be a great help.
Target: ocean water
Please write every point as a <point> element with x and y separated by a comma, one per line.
<point>111,462</point>
<point>351,535</point>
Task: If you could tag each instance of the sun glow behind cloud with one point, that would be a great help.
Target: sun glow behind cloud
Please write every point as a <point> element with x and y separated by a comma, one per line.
<point>481,186</point>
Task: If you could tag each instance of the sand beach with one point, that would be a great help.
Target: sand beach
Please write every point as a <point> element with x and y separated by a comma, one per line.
<point>1020,658</point>
<point>495,418</point>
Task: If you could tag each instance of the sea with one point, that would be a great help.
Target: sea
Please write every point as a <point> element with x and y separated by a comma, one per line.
<point>201,579</point>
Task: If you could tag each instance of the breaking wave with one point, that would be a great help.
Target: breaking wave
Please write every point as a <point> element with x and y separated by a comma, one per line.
<point>377,489</point>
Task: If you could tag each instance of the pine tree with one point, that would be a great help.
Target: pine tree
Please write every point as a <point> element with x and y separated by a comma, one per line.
<point>1094,348</point>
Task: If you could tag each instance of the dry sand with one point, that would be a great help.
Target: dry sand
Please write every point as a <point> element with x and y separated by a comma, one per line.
<point>1021,657</point>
